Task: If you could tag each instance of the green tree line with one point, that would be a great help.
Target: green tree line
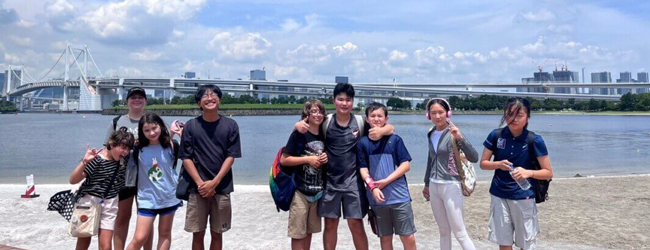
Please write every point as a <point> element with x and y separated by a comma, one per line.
<point>628,102</point>
<point>228,99</point>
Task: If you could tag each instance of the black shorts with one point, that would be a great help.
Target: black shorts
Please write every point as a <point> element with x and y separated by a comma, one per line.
<point>128,192</point>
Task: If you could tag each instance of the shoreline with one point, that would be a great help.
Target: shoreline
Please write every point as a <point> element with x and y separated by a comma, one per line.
<point>285,111</point>
<point>582,213</point>
<point>253,188</point>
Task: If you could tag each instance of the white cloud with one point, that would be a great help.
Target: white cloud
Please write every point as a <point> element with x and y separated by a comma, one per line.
<point>540,15</point>
<point>289,25</point>
<point>146,55</point>
<point>22,41</point>
<point>148,21</point>
<point>345,48</point>
<point>239,46</point>
<point>60,15</point>
<point>397,55</point>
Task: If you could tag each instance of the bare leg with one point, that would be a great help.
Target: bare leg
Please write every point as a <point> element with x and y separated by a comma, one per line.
<point>217,242</point>
<point>505,247</point>
<point>105,239</point>
<point>330,234</point>
<point>165,232</point>
<point>307,241</point>
<point>122,222</point>
<point>143,229</point>
<point>298,244</point>
<point>197,240</point>
<point>83,243</point>
<point>386,242</point>
<point>408,242</point>
<point>358,234</point>
<point>148,245</point>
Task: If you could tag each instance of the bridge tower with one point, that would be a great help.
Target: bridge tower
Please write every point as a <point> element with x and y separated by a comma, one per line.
<point>11,74</point>
<point>89,98</point>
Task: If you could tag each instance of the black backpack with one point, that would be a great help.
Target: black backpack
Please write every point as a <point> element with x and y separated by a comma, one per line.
<point>117,118</point>
<point>540,186</point>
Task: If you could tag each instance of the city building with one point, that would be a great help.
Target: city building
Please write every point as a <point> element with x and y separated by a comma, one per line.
<point>258,75</point>
<point>625,77</point>
<point>602,77</point>
<point>566,76</point>
<point>189,75</point>
<point>2,83</point>
<point>642,77</point>
<point>341,79</point>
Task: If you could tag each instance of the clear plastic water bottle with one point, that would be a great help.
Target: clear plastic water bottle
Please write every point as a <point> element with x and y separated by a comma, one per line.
<point>524,183</point>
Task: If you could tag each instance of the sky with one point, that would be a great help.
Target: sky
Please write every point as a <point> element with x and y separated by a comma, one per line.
<point>313,41</point>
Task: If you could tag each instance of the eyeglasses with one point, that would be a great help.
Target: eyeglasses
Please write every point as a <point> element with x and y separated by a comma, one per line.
<point>213,95</point>
<point>315,112</point>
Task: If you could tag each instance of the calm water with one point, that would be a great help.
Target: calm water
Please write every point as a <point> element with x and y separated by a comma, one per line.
<point>50,145</point>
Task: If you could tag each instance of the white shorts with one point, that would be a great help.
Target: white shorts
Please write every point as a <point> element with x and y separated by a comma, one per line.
<point>108,213</point>
<point>513,221</point>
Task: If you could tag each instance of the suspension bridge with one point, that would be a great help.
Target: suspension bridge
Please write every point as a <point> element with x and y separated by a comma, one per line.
<point>97,92</point>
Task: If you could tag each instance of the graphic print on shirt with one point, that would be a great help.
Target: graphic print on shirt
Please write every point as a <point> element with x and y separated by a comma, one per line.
<point>311,174</point>
<point>501,143</point>
<point>155,173</point>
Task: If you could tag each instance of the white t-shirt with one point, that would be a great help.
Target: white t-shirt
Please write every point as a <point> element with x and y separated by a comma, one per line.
<point>435,138</point>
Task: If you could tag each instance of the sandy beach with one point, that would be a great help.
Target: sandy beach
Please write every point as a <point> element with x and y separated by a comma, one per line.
<point>583,213</point>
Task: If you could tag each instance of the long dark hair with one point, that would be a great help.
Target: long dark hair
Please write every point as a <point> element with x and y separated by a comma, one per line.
<point>518,103</point>
<point>164,138</point>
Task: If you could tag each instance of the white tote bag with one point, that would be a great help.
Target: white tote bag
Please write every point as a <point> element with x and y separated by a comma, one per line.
<point>465,170</point>
<point>85,219</point>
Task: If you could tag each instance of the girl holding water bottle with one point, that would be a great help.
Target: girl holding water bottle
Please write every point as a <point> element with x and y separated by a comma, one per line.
<point>513,212</point>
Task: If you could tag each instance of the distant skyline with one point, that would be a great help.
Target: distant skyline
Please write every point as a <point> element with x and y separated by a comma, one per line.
<point>378,41</point>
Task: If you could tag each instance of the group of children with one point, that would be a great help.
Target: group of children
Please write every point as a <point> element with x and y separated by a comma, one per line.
<point>342,163</point>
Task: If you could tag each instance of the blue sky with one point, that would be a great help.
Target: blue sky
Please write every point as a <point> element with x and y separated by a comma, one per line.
<point>313,41</point>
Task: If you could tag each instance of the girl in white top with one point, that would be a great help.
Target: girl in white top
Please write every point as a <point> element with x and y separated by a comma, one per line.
<point>442,181</point>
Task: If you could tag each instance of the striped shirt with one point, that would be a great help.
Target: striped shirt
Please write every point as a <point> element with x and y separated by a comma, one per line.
<point>99,173</point>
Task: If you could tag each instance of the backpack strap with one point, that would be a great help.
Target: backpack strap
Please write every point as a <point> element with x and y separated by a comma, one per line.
<point>117,118</point>
<point>360,124</point>
<point>175,146</point>
<point>495,139</point>
<point>326,124</point>
<point>530,140</point>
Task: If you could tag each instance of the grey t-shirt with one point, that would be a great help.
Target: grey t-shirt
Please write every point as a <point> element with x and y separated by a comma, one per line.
<point>341,144</point>
<point>124,121</point>
<point>132,124</point>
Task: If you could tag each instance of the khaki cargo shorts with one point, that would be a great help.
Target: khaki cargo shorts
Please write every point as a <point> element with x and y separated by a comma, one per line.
<point>218,209</point>
<point>303,217</point>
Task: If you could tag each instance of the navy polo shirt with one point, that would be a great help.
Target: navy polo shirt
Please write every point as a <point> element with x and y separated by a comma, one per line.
<point>515,150</point>
<point>382,158</point>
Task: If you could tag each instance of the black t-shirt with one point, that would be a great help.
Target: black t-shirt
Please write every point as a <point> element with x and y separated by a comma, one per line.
<point>208,144</point>
<point>341,144</point>
<point>309,180</point>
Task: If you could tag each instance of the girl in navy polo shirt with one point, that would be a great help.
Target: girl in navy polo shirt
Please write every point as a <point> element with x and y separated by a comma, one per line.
<point>513,213</point>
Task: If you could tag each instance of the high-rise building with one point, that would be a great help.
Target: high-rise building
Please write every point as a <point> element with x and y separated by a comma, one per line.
<point>565,76</point>
<point>642,77</point>
<point>601,77</point>
<point>258,75</point>
<point>2,83</point>
<point>190,75</point>
<point>625,77</point>
<point>341,79</point>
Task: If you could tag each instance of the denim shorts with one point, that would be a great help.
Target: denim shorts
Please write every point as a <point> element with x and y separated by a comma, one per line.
<point>162,211</point>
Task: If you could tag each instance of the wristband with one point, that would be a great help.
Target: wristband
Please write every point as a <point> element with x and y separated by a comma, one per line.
<point>370,183</point>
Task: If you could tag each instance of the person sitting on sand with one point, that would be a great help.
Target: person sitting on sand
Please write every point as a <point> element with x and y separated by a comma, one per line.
<point>513,212</point>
